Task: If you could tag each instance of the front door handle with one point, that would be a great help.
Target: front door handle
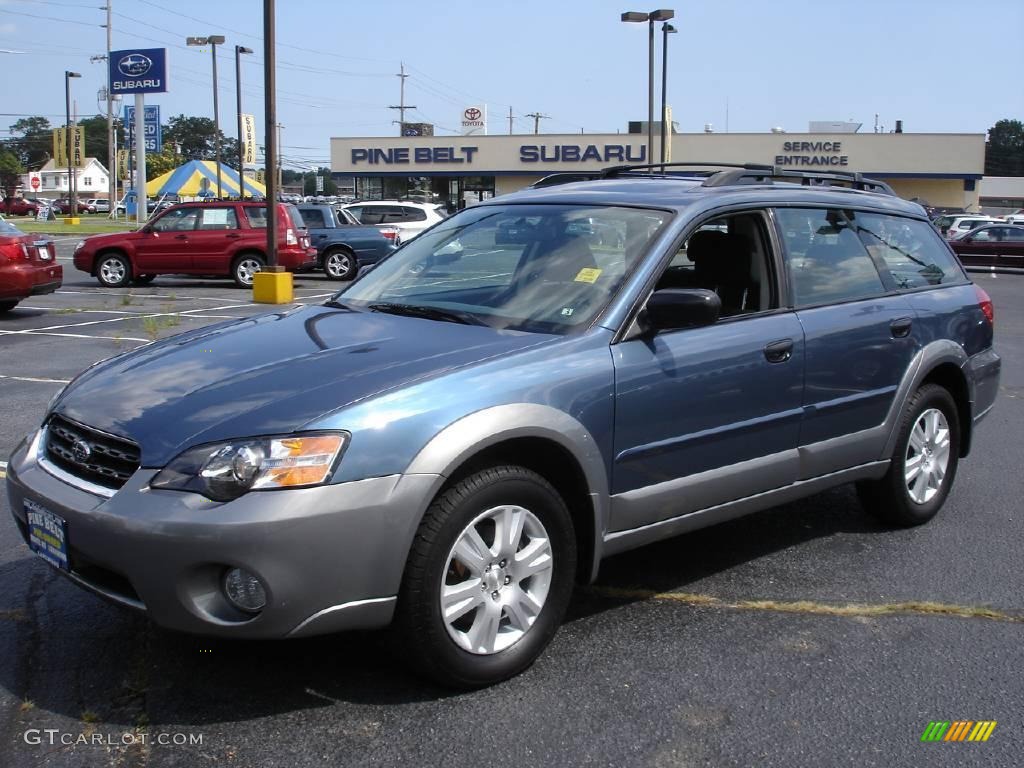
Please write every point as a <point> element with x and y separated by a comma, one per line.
<point>901,327</point>
<point>181,237</point>
<point>233,236</point>
<point>779,351</point>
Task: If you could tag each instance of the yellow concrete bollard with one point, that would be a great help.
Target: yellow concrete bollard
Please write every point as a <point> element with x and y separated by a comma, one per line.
<point>273,286</point>
<point>73,220</point>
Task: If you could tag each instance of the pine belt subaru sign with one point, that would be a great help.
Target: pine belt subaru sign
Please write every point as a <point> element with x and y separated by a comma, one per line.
<point>139,71</point>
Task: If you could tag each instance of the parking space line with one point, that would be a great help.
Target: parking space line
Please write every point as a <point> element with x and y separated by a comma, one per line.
<point>74,336</point>
<point>3,469</point>
<point>29,378</point>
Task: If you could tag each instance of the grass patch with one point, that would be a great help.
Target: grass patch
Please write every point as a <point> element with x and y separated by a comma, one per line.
<point>126,299</point>
<point>27,705</point>
<point>921,607</point>
<point>98,226</point>
<point>90,717</point>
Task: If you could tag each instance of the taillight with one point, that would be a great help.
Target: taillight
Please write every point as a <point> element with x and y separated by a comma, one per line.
<point>985,304</point>
<point>290,238</point>
<point>390,234</point>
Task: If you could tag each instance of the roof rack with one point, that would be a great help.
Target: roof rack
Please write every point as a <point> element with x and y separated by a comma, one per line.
<point>753,173</point>
<point>566,177</point>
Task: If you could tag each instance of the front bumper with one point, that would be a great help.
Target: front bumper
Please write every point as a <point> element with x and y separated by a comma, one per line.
<point>331,558</point>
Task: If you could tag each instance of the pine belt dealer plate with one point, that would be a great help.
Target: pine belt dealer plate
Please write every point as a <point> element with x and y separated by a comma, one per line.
<point>47,535</point>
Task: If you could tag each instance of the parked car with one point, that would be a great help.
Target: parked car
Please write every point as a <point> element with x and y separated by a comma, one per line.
<point>28,266</point>
<point>343,245</point>
<point>954,226</point>
<point>98,205</point>
<point>410,218</point>
<point>221,239</point>
<point>993,245</point>
<point>1014,218</point>
<point>63,205</point>
<point>18,206</point>
<point>453,439</point>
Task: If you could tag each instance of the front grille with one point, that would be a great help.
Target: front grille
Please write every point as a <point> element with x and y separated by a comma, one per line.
<point>90,454</point>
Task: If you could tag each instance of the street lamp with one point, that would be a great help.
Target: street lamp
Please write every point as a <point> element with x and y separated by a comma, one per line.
<point>213,41</point>
<point>72,198</point>
<point>239,50</point>
<point>666,30</point>
<point>663,14</point>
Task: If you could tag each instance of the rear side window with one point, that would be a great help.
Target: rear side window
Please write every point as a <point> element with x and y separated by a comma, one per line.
<point>910,250</point>
<point>413,214</point>
<point>827,262</point>
<point>313,217</point>
<point>257,217</point>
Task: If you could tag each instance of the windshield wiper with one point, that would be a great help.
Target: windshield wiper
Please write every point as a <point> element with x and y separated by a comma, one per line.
<point>429,313</point>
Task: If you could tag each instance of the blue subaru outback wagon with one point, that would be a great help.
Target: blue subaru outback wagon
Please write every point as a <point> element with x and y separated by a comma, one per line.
<point>534,384</point>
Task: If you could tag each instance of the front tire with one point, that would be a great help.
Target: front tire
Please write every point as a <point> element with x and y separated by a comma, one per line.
<point>113,270</point>
<point>245,268</point>
<point>924,462</point>
<point>340,264</point>
<point>488,578</point>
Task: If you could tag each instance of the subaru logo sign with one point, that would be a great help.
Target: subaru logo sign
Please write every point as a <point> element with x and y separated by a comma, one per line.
<point>81,450</point>
<point>134,65</point>
<point>139,71</point>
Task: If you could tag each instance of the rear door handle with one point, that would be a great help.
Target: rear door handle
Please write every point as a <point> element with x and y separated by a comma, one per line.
<point>233,236</point>
<point>779,351</point>
<point>901,327</point>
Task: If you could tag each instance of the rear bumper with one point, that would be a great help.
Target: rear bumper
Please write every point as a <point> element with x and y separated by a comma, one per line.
<point>26,280</point>
<point>982,371</point>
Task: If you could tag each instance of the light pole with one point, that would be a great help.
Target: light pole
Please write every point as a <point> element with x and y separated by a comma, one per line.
<point>666,30</point>
<point>239,50</point>
<point>663,14</point>
<point>213,41</point>
<point>68,139</point>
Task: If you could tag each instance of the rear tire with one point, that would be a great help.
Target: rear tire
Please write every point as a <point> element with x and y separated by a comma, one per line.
<point>340,264</point>
<point>488,578</point>
<point>113,270</point>
<point>924,462</point>
<point>244,268</point>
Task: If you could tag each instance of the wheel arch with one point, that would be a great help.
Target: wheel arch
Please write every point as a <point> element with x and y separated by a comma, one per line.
<point>540,438</point>
<point>940,362</point>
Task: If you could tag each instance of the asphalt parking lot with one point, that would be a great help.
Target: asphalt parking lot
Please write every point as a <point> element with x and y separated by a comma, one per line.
<point>807,635</point>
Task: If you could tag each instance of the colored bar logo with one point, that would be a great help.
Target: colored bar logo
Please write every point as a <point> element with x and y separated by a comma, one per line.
<point>958,730</point>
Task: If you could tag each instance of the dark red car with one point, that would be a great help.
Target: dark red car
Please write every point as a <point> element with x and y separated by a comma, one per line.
<point>220,239</point>
<point>993,245</point>
<point>63,205</point>
<point>19,206</point>
<point>28,266</point>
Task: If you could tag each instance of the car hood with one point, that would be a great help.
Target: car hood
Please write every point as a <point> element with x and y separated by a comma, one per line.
<point>97,241</point>
<point>270,374</point>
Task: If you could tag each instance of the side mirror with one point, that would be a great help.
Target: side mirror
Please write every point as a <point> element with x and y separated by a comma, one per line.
<point>673,308</point>
<point>147,229</point>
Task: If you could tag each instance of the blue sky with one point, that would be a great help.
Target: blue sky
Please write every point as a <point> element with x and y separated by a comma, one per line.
<point>939,66</point>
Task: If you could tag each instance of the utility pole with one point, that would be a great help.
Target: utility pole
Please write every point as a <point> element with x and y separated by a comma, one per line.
<point>111,144</point>
<point>510,121</point>
<point>280,172</point>
<point>537,117</point>
<point>401,106</point>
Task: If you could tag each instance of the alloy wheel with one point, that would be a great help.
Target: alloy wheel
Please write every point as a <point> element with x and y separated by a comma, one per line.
<point>927,456</point>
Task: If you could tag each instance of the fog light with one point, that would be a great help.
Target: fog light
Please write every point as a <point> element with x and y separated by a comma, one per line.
<point>244,590</point>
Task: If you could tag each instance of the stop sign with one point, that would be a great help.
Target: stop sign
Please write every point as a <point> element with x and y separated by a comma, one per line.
<point>35,182</point>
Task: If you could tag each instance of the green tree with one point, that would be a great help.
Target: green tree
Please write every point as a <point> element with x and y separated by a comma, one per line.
<point>309,182</point>
<point>31,141</point>
<point>159,163</point>
<point>1004,150</point>
<point>10,171</point>
<point>195,138</point>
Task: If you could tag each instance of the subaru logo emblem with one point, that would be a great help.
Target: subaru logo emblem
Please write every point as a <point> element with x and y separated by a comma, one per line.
<point>81,450</point>
<point>134,65</point>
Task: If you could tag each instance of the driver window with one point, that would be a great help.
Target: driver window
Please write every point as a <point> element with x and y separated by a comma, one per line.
<point>729,255</point>
<point>177,220</point>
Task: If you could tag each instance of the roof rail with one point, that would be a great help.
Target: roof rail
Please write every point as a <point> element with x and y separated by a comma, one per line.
<point>806,178</point>
<point>618,170</point>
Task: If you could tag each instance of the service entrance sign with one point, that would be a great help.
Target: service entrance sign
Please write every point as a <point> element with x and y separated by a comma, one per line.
<point>138,71</point>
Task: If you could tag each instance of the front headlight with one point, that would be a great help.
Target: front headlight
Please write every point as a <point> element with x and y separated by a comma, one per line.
<point>79,245</point>
<point>225,471</point>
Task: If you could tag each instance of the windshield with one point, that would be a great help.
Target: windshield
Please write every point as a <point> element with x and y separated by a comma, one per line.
<point>539,268</point>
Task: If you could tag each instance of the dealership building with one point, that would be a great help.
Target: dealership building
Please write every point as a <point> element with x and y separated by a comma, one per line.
<point>941,169</point>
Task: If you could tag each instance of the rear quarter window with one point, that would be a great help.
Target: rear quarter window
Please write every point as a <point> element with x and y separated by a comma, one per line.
<point>910,250</point>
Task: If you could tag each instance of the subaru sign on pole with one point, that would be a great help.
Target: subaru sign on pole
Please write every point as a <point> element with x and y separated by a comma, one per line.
<point>140,72</point>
